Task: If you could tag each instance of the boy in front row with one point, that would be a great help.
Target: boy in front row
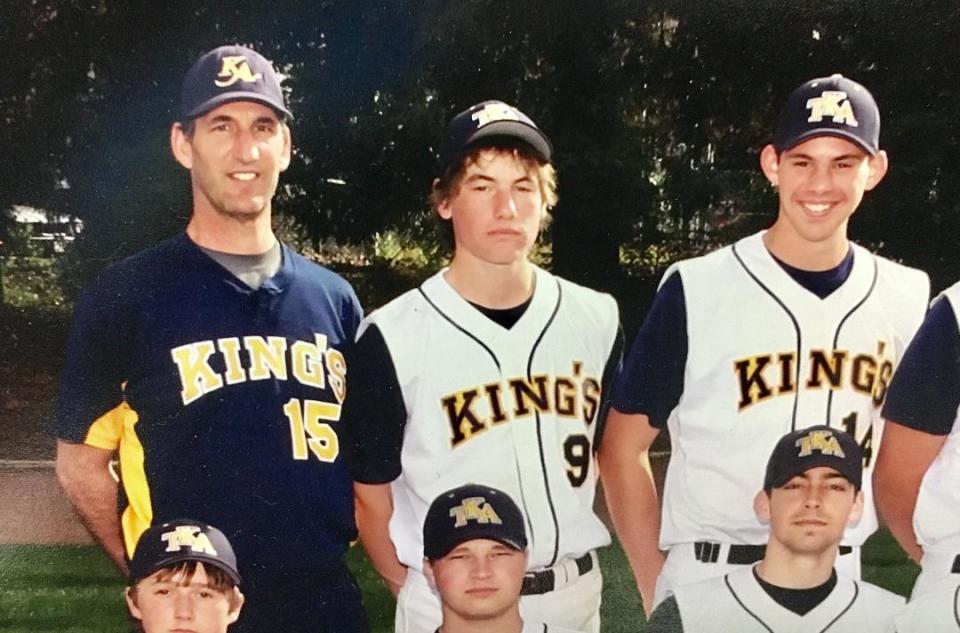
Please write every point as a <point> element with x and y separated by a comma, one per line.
<point>475,560</point>
<point>183,577</point>
<point>811,492</point>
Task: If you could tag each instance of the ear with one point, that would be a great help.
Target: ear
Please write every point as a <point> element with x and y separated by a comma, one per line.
<point>180,145</point>
<point>761,506</point>
<point>428,572</point>
<point>878,165</point>
<point>444,211</point>
<point>287,148</point>
<point>770,164</point>
<point>236,603</point>
<point>128,594</point>
<point>856,511</point>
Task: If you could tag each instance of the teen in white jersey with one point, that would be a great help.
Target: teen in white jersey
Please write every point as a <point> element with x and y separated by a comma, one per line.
<point>811,491</point>
<point>489,372</point>
<point>919,464</point>
<point>474,545</point>
<point>787,328</point>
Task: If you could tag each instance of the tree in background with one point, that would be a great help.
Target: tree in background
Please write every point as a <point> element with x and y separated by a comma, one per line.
<point>657,110</point>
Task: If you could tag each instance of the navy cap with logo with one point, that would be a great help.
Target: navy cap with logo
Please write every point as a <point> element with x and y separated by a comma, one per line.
<point>814,446</point>
<point>226,74</point>
<point>472,512</point>
<point>166,544</point>
<point>487,120</point>
<point>830,106</point>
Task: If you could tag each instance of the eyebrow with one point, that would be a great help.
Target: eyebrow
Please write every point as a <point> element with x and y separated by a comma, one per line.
<point>485,178</point>
<point>805,156</point>
<point>223,118</point>
<point>832,475</point>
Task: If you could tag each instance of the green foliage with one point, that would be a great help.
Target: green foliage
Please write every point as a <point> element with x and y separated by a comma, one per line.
<point>32,283</point>
<point>398,248</point>
<point>17,242</point>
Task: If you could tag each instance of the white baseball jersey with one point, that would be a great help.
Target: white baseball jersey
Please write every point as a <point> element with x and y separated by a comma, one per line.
<point>767,356</point>
<point>936,518</point>
<point>516,409</point>
<point>935,612</point>
<point>737,602</point>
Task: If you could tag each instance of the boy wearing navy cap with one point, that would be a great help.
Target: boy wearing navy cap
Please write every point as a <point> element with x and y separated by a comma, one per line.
<point>475,557</point>
<point>183,577</point>
<point>493,360</point>
<point>791,326</point>
<point>811,492</point>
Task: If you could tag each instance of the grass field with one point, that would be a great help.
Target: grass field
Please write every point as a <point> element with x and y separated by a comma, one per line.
<point>74,589</point>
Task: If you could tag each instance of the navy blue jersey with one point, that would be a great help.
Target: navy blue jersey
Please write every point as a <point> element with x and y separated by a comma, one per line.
<point>224,402</point>
<point>925,392</point>
<point>651,382</point>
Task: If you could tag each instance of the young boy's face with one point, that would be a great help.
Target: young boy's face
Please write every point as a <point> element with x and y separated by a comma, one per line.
<point>809,513</point>
<point>497,209</point>
<point>173,604</point>
<point>821,183</point>
<point>479,579</point>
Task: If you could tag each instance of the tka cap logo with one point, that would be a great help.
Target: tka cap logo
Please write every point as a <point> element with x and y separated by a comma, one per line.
<point>494,112</point>
<point>235,68</point>
<point>833,104</point>
<point>474,509</point>
<point>188,536</point>
<point>822,441</point>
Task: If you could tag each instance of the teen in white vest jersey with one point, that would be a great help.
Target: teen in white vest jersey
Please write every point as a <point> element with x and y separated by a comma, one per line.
<point>492,370</point>
<point>787,328</point>
<point>811,491</point>
<point>918,470</point>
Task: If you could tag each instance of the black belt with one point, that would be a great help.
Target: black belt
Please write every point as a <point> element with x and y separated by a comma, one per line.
<point>707,552</point>
<point>545,581</point>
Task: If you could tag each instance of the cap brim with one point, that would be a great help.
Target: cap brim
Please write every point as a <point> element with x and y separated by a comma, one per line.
<point>815,462</point>
<point>809,134</point>
<point>518,130</point>
<point>173,560</point>
<point>452,545</point>
<point>231,97</point>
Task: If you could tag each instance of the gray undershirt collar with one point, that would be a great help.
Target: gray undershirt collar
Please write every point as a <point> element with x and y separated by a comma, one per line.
<point>252,270</point>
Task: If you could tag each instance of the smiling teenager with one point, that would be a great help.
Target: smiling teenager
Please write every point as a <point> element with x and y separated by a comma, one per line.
<point>492,371</point>
<point>789,327</point>
<point>212,365</point>
<point>811,493</point>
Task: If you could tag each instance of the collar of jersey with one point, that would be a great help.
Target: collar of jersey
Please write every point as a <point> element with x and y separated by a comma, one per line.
<point>275,285</point>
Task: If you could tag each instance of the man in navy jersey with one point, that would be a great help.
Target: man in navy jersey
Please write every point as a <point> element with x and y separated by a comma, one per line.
<point>212,365</point>
<point>919,463</point>
<point>791,327</point>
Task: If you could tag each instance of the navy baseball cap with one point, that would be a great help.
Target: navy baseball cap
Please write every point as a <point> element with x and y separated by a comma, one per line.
<point>172,542</point>
<point>226,74</point>
<point>491,119</point>
<point>814,446</point>
<point>472,512</point>
<point>830,106</point>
